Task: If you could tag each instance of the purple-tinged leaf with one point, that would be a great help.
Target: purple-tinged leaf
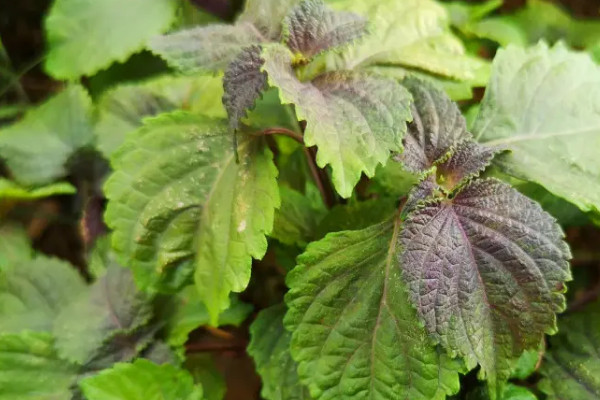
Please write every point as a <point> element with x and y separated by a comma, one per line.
<point>243,84</point>
<point>486,271</point>
<point>312,28</point>
<point>420,193</point>
<point>466,161</point>
<point>437,126</point>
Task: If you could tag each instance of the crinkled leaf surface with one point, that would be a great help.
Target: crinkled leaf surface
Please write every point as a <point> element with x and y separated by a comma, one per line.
<point>243,84</point>
<point>141,380</point>
<point>436,127</point>
<point>122,109</point>
<point>467,159</point>
<point>354,118</point>
<point>111,305</point>
<point>312,28</point>
<point>190,313</point>
<point>179,200</point>
<point>486,271</point>
<point>266,15</point>
<point>14,191</point>
<point>571,367</point>
<point>270,348</point>
<point>544,105</point>
<point>355,334</point>
<point>31,370</point>
<point>85,36</point>
<point>37,147</point>
<point>205,48</point>
<point>34,291</point>
<point>408,33</point>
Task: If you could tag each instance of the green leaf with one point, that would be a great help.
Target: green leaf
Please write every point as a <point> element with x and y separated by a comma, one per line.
<point>34,291</point>
<point>408,33</point>
<point>203,369</point>
<point>85,36</point>
<point>527,363</point>
<point>312,28</point>
<point>14,246</point>
<point>190,313</point>
<point>31,370</point>
<point>111,305</point>
<point>486,269</point>
<point>122,109</point>
<point>571,366</point>
<point>243,84</point>
<point>141,380</point>
<point>266,15</point>
<point>205,48</point>
<point>354,118</point>
<point>13,191</point>
<point>393,179</point>
<point>511,392</point>
<point>270,348</point>
<point>354,332</point>
<point>178,199</point>
<point>37,147</point>
<point>462,13</point>
<point>552,143</point>
<point>297,219</point>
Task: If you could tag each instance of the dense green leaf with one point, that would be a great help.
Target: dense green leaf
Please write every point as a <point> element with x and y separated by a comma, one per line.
<point>486,270</point>
<point>437,127</point>
<point>190,313</point>
<point>297,219</point>
<point>571,366</point>
<point>203,369</point>
<point>527,363</point>
<point>178,199</point>
<point>33,292</point>
<point>31,370</point>
<point>141,380</point>
<point>511,392</point>
<point>122,109</point>
<point>312,28</point>
<point>266,15</point>
<point>112,305</point>
<point>14,191</point>
<point>85,36</point>
<point>243,84</point>
<point>37,147</point>
<point>542,104</point>
<point>393,179</point>
<point>462,13</point>
<point>354,118</point>
<point>14,246</point>
<point>355,334</point>
<point>409,33</point>
<point>205,48</point>
<point>270,348</point>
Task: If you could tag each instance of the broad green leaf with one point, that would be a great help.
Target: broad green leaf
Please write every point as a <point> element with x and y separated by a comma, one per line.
<point>31,370</point>
<point>311,28</point>
<point>393,179</point>
<point>111,305</point>
<point>141,380</point>
<point>511,392</point>
<point>267,15</point>
<point>542,104</point>
<point>270,348</point>
<point>571,366</point>
<point>178,201</point>
<point>437,126</point>
<point>14,246</point>
<point>190,313</point>
<point>14,191</point>
<point>205,48</point>
<point>354,333</point>
<point>122,109</point>
<point>527,363</point>
<point>205,372</point>
<point>462,13</point>
<point>36,148</point>
<point>409,33</point>
<point>85,36</point>
<point>297,219</point>
<point>243,83</point>
<point>486,271</point>
<point>354,118</point>
<point>34,291</point>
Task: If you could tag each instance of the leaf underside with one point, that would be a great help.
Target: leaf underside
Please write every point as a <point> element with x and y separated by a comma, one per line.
<point>354,333</point>
<point>312,28</point>
<point>354,118</point>
<point>486,271</point>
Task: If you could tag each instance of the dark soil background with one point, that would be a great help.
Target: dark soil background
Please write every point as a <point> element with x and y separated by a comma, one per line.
<point>65,226</point>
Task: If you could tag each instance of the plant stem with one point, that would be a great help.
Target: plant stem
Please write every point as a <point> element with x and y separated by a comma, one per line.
<point>320,177</point>
<point>285,132</point>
